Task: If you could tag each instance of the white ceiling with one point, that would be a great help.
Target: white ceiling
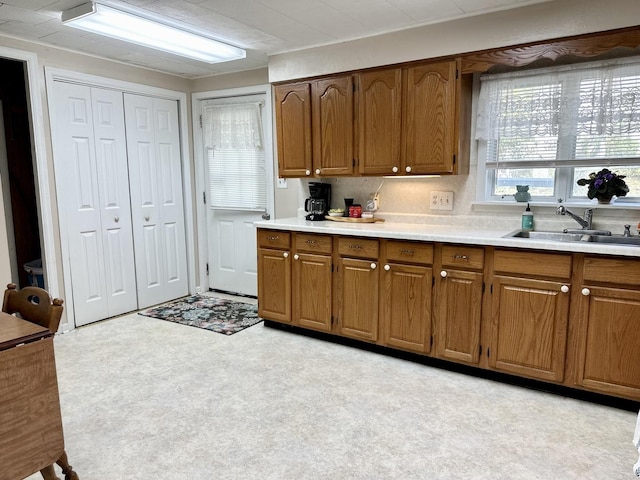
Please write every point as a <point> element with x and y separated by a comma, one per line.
<point>263,27</point>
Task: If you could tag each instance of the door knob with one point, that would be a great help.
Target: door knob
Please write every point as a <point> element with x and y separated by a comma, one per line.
<point>443,273</point>
<point>146,218</point>
<point>116,219</point>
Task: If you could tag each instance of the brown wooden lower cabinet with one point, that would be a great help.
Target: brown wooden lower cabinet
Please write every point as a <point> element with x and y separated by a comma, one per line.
<point>565,318</point>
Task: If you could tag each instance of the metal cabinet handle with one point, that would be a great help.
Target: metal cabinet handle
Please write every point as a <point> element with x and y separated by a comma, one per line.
<point>586,292</point>
<point>443,273</point>
<point>355,246</point>
<point>387,267</point>
<point>273,238</point>
<point>406,251</point>
<point>311,242</point>
<point>461,257</point>
<point>285,254</point>
<point>373,266</point>
<point>296,256</point>
<point>564,288</point>
<point>407,169</point>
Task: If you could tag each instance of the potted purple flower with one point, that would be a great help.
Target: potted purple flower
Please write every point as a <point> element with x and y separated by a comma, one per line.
<point>604,185</point>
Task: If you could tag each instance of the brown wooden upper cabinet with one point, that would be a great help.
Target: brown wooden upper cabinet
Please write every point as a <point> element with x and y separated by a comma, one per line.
<point>406,121</point>
<point>293,126</point>
<point>314,124</point>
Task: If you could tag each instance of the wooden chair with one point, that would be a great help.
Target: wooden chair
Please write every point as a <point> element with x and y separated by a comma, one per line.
<point>35,305</point>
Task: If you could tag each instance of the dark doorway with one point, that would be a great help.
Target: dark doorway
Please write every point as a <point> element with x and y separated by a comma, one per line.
<point>23,211</point>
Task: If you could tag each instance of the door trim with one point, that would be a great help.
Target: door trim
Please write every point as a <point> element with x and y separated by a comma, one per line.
<point>41,171</point>
<point>201,166</point>
<point>53,74</point>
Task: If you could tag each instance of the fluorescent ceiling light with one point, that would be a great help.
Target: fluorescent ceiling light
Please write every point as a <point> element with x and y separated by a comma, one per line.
<point>97,18</point>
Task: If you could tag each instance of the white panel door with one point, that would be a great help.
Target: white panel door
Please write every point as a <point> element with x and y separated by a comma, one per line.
<point>155,173</point>
<point>91,166</point>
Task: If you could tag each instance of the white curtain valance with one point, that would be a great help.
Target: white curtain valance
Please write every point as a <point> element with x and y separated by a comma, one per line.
<point>584,112</point>
<point>236,126</point>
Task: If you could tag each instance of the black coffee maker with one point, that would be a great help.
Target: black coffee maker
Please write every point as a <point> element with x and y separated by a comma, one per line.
<point>319,200</point>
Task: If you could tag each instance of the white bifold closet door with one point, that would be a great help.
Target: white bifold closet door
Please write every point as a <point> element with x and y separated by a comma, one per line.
<point>93,184</point>
<point>153,145</point>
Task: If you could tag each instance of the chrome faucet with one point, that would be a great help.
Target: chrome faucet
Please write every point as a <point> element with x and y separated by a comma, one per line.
<point>585,222</point>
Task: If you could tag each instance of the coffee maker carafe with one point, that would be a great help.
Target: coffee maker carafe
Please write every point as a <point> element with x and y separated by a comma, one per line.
<point>319,201</point>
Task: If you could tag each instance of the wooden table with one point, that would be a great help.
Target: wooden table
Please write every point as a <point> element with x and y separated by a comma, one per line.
<point>31,435</point>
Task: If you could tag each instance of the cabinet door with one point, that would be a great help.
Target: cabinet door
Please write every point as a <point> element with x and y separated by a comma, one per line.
<point>458,312</point>
<point>405,307</point>
<point>379,122</point>
<point>332,120</point>
<point>357,290</point>
<point>529,322</point>
<point>312,291</point>
<point>609,341</point>
<point>293,129</point>
<point>430,118</point>
<point>274,285</point>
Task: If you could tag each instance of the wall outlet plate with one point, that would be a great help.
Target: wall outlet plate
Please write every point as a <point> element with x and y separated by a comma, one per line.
<point>282,182</point>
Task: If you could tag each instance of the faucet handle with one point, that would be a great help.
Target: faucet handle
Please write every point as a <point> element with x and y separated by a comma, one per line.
<point>627,231</point>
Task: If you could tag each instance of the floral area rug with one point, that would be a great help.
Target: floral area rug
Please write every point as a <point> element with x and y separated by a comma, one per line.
<point>211,313</point>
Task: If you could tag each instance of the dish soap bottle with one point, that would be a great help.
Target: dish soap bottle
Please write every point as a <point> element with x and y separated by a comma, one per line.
<point>527,219</point>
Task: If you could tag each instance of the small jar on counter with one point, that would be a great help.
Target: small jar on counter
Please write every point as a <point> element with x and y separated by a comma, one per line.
<point>355,211</point>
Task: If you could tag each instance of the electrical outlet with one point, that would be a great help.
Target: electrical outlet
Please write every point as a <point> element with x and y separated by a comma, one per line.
<point>434,204</point>
<point>441,200</point>
<point>282,182</point>
<point>373,204</point>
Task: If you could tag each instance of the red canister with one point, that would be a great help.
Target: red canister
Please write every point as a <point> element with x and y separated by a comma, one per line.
<point>355,211</point>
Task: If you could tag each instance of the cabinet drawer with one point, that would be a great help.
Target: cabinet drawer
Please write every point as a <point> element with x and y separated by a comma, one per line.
<point>462,256</point>
<point>274,239</point>
<point>612,270</point>
<point>313,243</point>
<point>532,263</point>
<point>409,252</point>
<point>358,247</point>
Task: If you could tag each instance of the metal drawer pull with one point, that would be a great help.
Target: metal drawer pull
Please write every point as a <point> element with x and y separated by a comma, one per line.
<point>355,246</point>
<point>461,257</point>
<point>406,251</point>
<point>273,239</point>
<point>311,242</point>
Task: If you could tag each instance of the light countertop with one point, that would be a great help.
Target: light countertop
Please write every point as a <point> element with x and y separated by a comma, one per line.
<point>443,233</point>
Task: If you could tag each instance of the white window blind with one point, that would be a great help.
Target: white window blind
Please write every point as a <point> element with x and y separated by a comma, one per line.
<point>563,116</point>
<point>235,156</point>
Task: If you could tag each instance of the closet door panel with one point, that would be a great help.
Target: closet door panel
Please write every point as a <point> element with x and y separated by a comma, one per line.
<point>113,182</point>
<point>156,198</point>
<point>76,171</point>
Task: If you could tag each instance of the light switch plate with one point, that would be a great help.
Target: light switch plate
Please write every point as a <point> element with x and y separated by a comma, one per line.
<point>446,200</point>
